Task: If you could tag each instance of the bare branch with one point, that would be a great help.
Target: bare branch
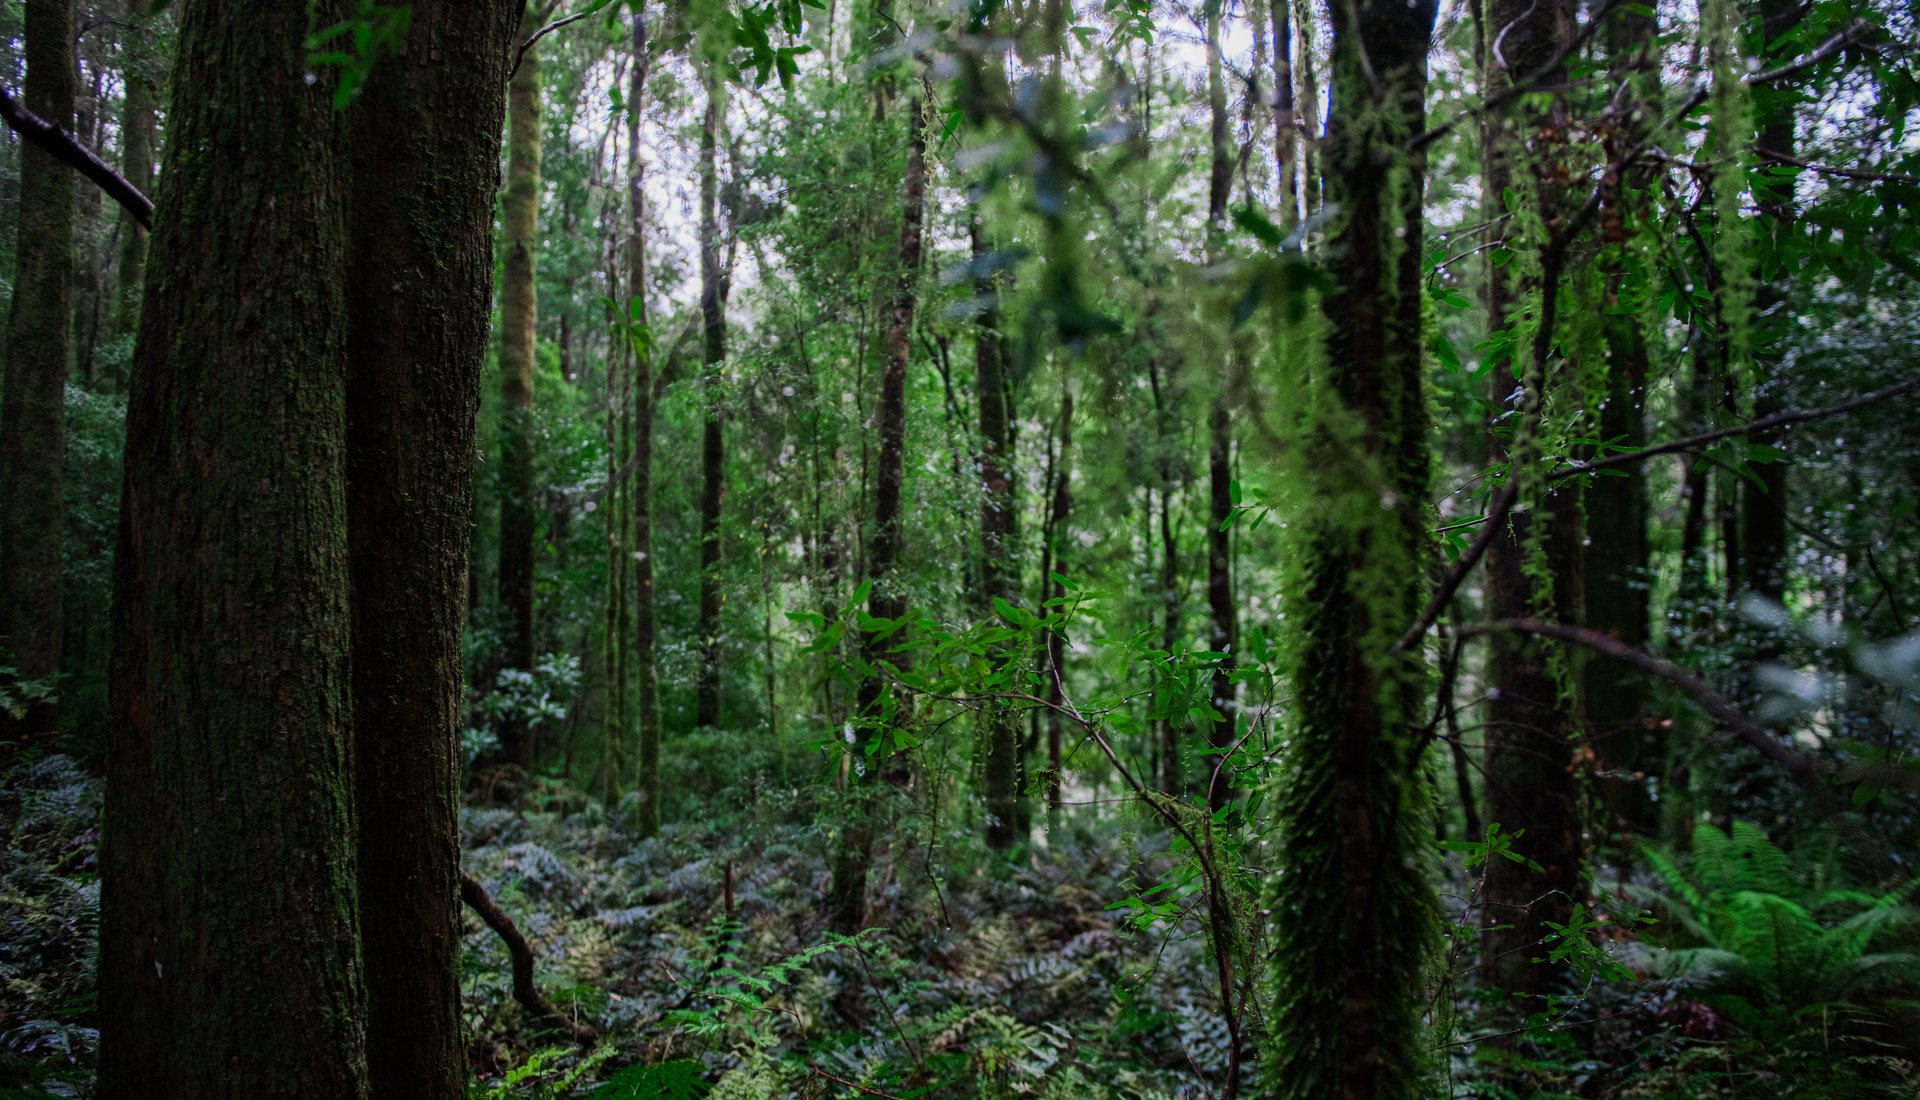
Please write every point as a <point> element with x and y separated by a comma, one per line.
<point>524,990</point>
<point>67,149</point>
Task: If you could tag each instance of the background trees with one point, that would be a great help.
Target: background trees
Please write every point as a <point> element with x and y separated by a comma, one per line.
<point>1396,546</point>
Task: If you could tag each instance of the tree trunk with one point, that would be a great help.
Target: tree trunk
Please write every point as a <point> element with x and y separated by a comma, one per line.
<point>1220,605</point>
<point>648,680</point>
<point>997,511</point>
<point>519,224</point>
<point>1532,711</point>
<point>137,132</point>
<point>33,416</point>
<point>1617,572</point>
<point>847,894</point>
<point>229,961</point>
<point>1060,507</point>
<point>424,145</point>
<point>1353,912</point>
<point>713,306</point>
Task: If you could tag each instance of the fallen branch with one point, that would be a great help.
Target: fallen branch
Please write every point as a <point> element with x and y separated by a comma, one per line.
<point>66,148</point>
<point>524,991</point>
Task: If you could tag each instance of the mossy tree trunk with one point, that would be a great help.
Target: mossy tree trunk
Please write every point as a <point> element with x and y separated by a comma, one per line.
<point>229,959</point>
<point>1353,916</point>
<point>33,418</point>
<point>424,146</point>
<point>519,306</point>
<point>1534,566</point>
<point>1618,581</point>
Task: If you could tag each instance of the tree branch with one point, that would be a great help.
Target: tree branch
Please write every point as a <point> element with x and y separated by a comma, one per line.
<point>524,991</point>
<point>66,148</point>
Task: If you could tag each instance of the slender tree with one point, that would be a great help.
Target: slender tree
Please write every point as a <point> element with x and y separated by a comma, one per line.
<point>1352,913</point>
<point>1220,603</point>
<point>997,514</point>
<point>33,418</point>
<point>519,305</point>
<point>882,713</point>
<point>644,643</point>
<point>713,455</point>
<point>137,133</point>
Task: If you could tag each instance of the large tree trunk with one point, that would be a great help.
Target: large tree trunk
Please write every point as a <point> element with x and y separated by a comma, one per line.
<point>519,223</point>
<point>998,573</point>
<point>1532,711</point>
<point>229,961</point>
<point>33,417</point>
<point>425,146</point>
<point>1353,913</point>
<point>713,455</point>
<point>847,895</point>
<point>648,680</point>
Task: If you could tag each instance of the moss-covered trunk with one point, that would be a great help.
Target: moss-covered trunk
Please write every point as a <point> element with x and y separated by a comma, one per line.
<point>1352,918</point>
<point>229,962</point>
<point>425,146</point>
<point>1220,603</point>
<point>1534,566</point>
<point>33,418</point>
<point>520,228</point>
<point>137,132</point>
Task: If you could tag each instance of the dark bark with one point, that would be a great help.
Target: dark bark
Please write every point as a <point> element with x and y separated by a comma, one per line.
<point>1352,911</point>
<point>519,224</point>
<point>1618,580</point>
<point>1532,711</point>
<point>712,435</point>
<point>1059,510</point>
<point>525,989</point>
<point>647,687</point>
<point>137,133</point>
<point>997,510</point>
<point>229,961</point>
<point>424,152</point>
<point>33,417</point>
<point>1220,604</point>
<point>846,902</point>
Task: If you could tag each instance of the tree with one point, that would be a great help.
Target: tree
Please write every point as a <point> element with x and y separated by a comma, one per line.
<point>33,401</point>
<point>713,453</point>
<point>1352,919</point>
<point>519,310</point>
<point>1536,561</point>
<point>137,133</point>
<point>644,642</point>
<point>998,512</point>
<point>280,856</point>
<point>1220,603</point>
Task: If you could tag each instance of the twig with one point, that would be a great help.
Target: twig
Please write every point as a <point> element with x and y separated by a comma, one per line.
<point>524,990</point>
<point>1833,170</point>
<point>576,17</point>
<point>67,149</point>
<point>818,1072</point>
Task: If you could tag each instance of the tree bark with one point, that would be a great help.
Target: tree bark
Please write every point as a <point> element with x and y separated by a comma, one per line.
<point>519,305</point>
<point>998,575</point>
<point>713,472</point>
<point>230,963</point>
<point>644,644</point>
<point>847,893</point>
<point>1220,604</point>
<point>424,146</point>
<point>1532,709</point>
<point>1353,912</point>
<point>33,417</point>
<point>138,128</point>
